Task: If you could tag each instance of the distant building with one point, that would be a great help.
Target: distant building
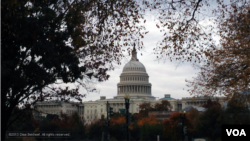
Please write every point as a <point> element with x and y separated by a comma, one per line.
<point>199,109</point>
<point>134,81</point>
<point>57,107</point>
<point>199,101</point>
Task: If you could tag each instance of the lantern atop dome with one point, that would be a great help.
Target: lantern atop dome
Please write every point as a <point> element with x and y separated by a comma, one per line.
<point>134,54</point>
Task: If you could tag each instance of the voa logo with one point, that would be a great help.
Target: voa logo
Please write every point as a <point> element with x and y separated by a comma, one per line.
<point>236,132</point>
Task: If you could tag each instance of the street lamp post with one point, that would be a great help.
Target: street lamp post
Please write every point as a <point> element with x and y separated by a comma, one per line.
<point>182,118</point>
<point>127,114</point>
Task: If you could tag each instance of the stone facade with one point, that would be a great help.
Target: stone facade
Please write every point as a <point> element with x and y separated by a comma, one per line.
<point>57,107</point>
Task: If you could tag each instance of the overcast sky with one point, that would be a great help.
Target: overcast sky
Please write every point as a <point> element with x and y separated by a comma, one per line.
<point>166,77</point>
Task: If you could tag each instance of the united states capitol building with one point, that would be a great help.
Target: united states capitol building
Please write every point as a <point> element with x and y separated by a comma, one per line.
<point>134,81</point>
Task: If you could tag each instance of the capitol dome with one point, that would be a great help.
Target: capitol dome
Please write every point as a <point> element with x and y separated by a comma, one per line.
<point>135,66</point>
<point>134,80</point>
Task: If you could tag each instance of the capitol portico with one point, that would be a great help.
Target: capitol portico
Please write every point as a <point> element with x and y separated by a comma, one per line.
<point>134,81</point>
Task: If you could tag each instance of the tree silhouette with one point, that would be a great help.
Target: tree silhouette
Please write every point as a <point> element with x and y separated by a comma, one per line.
<point>145,108</point>
<point>58,41</point>
<point>163,106</point>
<point>227,69</point>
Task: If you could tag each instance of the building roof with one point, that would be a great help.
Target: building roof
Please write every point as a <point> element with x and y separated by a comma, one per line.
<point>134,66</point>
<point>167,98</point>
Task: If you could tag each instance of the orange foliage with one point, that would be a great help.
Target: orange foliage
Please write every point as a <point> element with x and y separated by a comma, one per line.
<point>150,120</point>
<point>170,125</point>
<point>118,120</point>
<point>192,118</point>
<point>131,126</point>
<point>172,120</point>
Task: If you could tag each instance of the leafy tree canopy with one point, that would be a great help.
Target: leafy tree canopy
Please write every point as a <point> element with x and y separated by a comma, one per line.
<point>227,72</point>
<point>61,41</point>
<point>145,108</point>
<point>213,35</point>
<point>163,106</point>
